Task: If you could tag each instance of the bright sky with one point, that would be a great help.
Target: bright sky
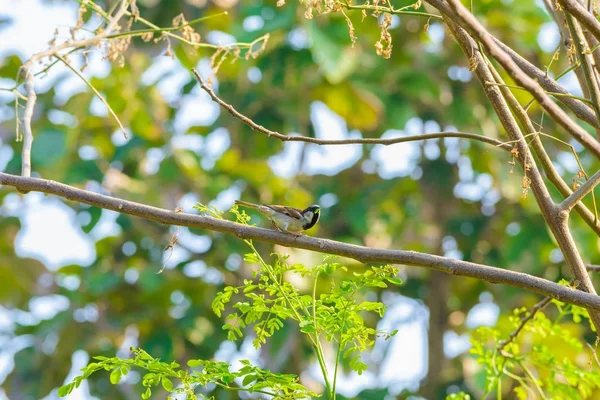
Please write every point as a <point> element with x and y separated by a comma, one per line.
<point>46,219</point>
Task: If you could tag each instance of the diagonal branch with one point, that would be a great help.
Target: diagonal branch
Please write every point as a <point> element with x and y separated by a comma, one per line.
<point>464,18</point>
<point>360,253</point>
<point>587,61</point>
<point>582,15</point>
<point>540,151</point>
<point>524,320</point>
<point>581,110</point>
<point>556,218</point>
<point>580,193</point>
<point>287,138</point>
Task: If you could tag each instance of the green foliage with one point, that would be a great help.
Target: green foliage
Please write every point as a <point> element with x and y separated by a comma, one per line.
<point>458,396</point>
<point>268,301</point>
<point>201,374</point>
<point>541,361</point>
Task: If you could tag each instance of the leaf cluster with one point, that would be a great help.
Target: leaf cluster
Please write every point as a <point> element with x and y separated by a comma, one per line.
<point>541,362</point>
<point>203,373</point>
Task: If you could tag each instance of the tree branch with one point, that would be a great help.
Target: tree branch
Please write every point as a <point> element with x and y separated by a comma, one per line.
<point>556,219</point>
<point>582,15</point>
<point>540,151</point>
<point>524,320</point>
<point>581,110</point>
<point>287,138</point>
<point>360,253</point>
<point>580,193</point>
<point>27,117</point>
<point>587,61</point>
<point>463,17</point>
<point>30,80</point>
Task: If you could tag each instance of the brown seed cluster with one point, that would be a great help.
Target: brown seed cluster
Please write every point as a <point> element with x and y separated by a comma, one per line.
<point>187,32</point>
<point>578,179</point>
<point>384,44</point>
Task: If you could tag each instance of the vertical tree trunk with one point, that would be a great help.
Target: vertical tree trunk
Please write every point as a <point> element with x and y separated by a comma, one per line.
<point>439,287</point>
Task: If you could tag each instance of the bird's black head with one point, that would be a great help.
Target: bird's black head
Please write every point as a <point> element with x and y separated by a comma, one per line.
<point>312,214</point>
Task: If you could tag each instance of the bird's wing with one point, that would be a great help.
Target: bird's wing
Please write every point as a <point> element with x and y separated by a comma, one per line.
<point>295,213</point>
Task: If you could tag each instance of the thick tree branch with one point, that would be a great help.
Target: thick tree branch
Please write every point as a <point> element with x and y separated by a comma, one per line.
<point>581,110</point>
<point>360,253</point>
<point>542,155</point>
<point>287,138</point>
<point>580,193</point>
<point>556,219</point>
<point>483,72</point>
<point>587,61</point>
<point>463,17</point>
<point>582,15</point>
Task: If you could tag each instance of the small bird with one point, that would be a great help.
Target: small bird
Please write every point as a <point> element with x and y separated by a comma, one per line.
<point>287,219</point>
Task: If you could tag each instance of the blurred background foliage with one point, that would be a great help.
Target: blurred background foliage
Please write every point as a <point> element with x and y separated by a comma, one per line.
<point>451,197</point>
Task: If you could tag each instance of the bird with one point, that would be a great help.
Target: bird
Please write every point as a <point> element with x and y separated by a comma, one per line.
<point>287,219</point>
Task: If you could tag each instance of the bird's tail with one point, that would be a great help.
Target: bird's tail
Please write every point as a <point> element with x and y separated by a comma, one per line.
<point>246,204</point>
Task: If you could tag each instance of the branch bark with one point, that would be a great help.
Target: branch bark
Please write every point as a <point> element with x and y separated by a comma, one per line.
<point>586,60</point>
<point>580,193</point>
<point>582,15</point>
<point>581,110</point>
<point>542,155</point>
<point>359,253</point>
<point>463,17</point>
<point>386,142</point>
<point>556,218</point>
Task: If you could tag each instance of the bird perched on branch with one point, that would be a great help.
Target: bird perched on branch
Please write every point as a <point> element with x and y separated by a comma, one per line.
<point>287,219</point>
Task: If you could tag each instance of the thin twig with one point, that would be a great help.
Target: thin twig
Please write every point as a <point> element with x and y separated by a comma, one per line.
<point>580,193</point>
<point>96,92</point>
<point>261,129</point>
<point>464,18</point>
<point>524,320</point>
<point>389,10</point>
<point>556,94</point>
<point>582,15</point>
<point>27,117</point>
<point>359,253</point>
<point>170,29</point>
<point>30,80</point>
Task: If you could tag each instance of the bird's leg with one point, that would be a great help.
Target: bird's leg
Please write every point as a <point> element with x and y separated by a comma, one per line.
<point>296,235</point>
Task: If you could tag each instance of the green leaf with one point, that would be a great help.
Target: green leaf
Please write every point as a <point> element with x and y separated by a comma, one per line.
<point>147,394</point>
<point>395,281</point>
<point>195,363</point>
<point>115,376</point>
<point>251,258</point>
<point>248,379</point>
<point>307,327</point>
<point>166,384</point>
<point>65,390</point>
